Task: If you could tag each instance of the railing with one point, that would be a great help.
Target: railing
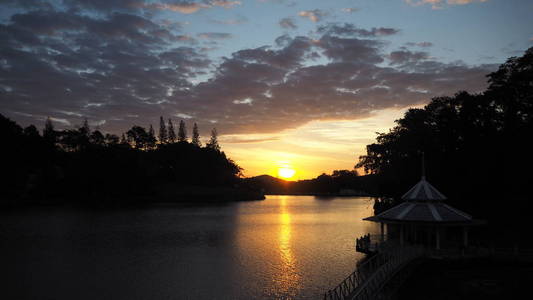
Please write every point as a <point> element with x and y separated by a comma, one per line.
<point>371,287</point>
<point>369,242</point>
<point>372,274</point>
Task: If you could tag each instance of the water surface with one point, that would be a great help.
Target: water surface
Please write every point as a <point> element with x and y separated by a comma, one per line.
<point>286,247</point>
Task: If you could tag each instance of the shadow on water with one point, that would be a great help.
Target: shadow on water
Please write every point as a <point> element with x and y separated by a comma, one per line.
<point>325,197</point>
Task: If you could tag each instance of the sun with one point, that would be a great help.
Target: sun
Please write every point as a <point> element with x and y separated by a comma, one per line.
<point>286,172</point>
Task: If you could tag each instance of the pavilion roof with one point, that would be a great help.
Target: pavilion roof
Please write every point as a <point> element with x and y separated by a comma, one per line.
<point>422,212</point>
<point>423,191</point>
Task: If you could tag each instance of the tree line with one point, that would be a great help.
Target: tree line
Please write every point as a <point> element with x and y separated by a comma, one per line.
<point>477,147</point>
<point>83,165</point>
<point>136,137</point>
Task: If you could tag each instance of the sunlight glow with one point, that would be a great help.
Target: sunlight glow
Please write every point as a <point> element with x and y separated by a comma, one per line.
<point>286,172</point>
<point>310,150</point>
<point>290,278</point>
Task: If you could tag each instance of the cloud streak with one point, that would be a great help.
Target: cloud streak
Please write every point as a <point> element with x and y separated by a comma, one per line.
<point>315,15</point>
<point>439,4</point>
<point>287,23</point>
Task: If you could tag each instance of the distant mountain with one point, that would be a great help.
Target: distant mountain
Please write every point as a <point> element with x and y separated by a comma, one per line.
<point>339,183</point>
<point>270,184</point>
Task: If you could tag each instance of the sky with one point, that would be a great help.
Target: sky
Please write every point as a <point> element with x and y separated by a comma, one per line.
<point>301,85</point>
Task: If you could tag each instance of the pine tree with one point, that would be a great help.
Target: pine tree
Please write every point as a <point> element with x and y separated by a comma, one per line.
<point>196,136</point>
<point>213,141</point>
<point>123,139</point>
<point>85,129</point>
<point>49,134</point>
<point>171,132</point>
<point>163,136</point>
<point>150,143</point>
<point>182,132</point>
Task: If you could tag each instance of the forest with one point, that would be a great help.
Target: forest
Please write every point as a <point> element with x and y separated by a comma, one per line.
<point>477,148</point>
<point>85,166</point>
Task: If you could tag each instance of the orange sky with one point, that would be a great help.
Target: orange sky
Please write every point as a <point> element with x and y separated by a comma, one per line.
<point>315,148</point>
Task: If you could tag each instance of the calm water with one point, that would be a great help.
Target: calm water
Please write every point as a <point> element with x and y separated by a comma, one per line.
<point>286,247</point>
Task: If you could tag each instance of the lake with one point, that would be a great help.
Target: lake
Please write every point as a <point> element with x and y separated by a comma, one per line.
<point>285,247</point>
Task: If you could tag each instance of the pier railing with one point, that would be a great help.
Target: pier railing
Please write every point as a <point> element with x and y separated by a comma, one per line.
<point>366,281</point>
<point>369,243</point>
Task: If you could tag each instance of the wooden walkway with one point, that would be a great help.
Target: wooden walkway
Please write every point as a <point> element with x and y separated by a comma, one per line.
<point>389,259</point>
<point>371,275</point>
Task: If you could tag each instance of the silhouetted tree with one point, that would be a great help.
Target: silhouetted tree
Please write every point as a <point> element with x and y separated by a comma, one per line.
<point>72,140</point>
<point>182,132</point>
<point>163,136</point>
<point>111,139</point>
<point>78,172</point>
<point>123,139</point>
<point>213,141</point>
<point>85,129</point>
<point>138,137</point>
<point>31,132</point>
<point>171,132</point>
<point>97,138</point>
<point>465,137</point>
<point>49,134</point>
<point>151,141</point>
<point>196,136</point>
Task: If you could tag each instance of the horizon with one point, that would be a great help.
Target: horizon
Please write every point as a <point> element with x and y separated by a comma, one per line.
<point>300,86</point>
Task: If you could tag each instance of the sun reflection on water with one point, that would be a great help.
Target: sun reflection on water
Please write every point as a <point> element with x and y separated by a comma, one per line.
<point>288,281</point>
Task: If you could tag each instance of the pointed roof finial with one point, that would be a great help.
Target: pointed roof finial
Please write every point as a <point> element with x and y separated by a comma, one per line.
<point>423,166</point>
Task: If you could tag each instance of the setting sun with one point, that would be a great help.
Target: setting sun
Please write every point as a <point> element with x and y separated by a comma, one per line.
<point>286,172</point>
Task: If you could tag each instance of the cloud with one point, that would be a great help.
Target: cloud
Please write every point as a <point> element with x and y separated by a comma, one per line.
<point>184,7</point>
<point>439,4</point>
<point>287,23</point>
<point>215,35</point>
<point>349,9</point>
<point>237,139</point>
<point>315,15</point>
<point>225,3</point>
<point>124,68</point>
<point>350,30</point>
<point>181,6</point>
<point>420,44</point>
<point>404,57</point>
<point>63,64</point>
<point>463,2</point>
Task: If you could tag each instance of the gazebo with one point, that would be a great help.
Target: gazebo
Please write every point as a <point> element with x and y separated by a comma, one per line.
<point>424,219</point>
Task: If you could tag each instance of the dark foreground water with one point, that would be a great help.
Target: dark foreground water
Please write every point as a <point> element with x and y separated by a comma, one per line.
<point>286,247</point>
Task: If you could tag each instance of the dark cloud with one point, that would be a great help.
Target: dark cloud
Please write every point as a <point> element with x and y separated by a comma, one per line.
<point>28,4</point>
<point>420,44</point>
<point>350,30</point>
<point>66,65</point>
<point>120,68</point>
<point>287,23</point>
<point>405,56</point>
<point>351,49</point>
<point>104,5</point>
<point>182,6</point>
